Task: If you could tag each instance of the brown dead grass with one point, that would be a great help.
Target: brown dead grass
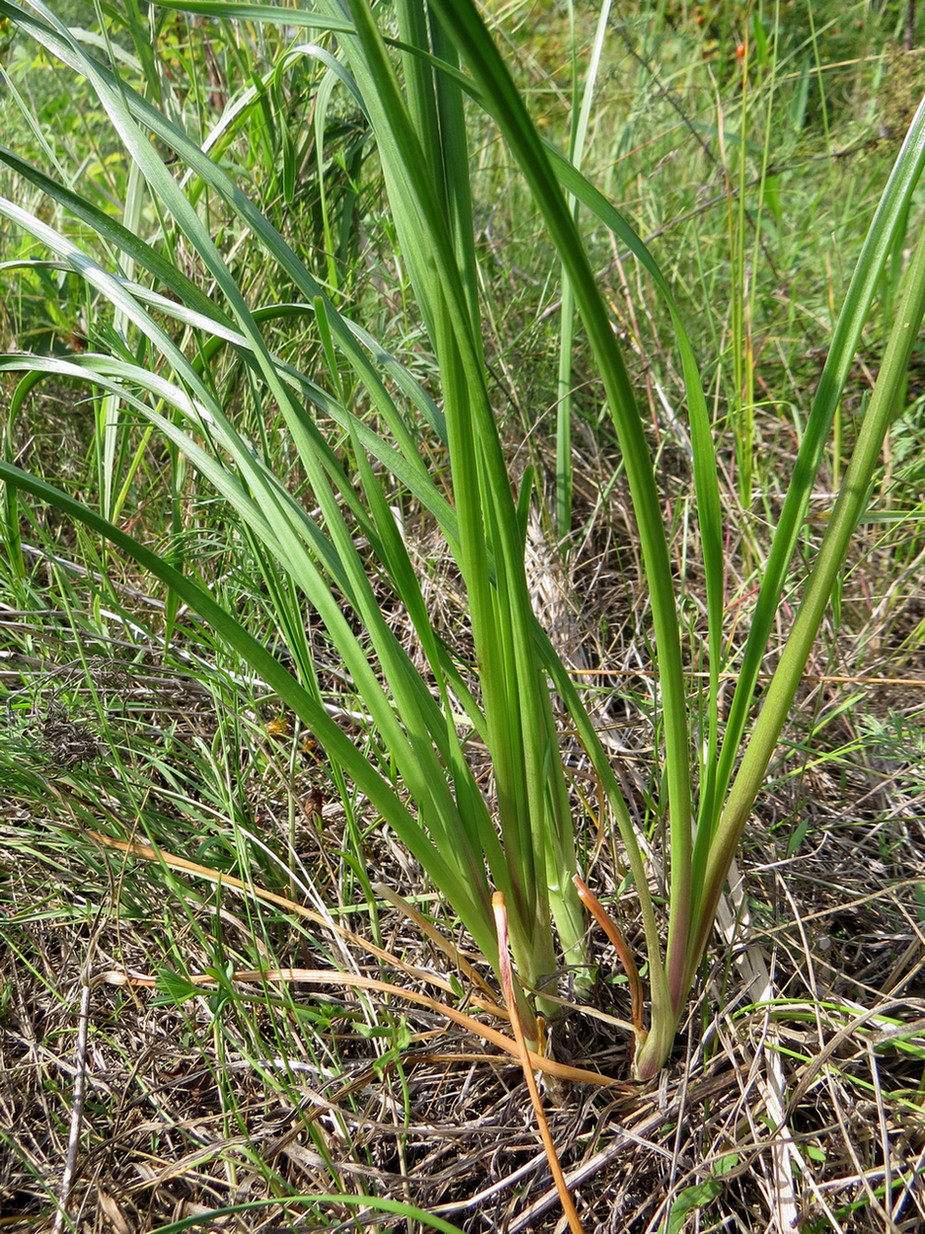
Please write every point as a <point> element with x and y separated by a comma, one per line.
<point>156,1140</point>
<point>804,1102</point>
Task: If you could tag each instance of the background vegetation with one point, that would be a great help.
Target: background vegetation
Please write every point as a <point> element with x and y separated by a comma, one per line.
<point>749,145</point>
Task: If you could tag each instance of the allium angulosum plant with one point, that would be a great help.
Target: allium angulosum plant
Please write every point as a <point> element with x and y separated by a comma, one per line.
<point>357,432</point>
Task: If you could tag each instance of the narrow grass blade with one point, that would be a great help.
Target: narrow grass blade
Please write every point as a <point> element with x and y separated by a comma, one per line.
<point>851,503</point>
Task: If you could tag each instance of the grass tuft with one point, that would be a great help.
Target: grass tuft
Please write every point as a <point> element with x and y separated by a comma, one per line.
<point>384,525</point>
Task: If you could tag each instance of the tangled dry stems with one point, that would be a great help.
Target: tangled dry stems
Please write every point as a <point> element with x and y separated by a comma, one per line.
<point>195,1107</point>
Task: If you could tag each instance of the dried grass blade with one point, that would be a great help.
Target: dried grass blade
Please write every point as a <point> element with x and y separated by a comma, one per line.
<point>333,977</point>
<point>610,928</point>
<point>149,853</point>
<point>507,981</point>
<point>440,941</point>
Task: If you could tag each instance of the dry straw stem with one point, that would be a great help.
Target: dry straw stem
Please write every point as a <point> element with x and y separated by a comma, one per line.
<point>507,980</point>
<point>77,1107</point>
<point>332,977</point>
<point>147,852</point>
<point>610,928</point>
